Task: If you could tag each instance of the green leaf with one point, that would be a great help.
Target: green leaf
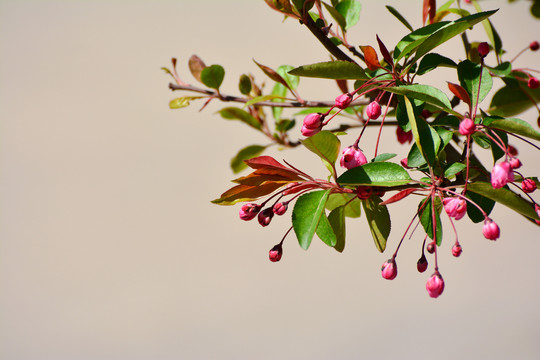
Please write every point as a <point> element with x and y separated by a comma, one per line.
<point>426,218</point>
<point>291,80</point>
<point>337,221</point>
<point>279,91</point>
<point>349,202</point>
<point>378,220</point>
<point>238,164</point>
<point>326,145</point>
<point>399,17</point>
<point>454,169</point>
<point>306,215</point>
<point>433,61</point>
<point>340,19</point>
<point>375,174</point>
<point>285,125</point>
<point>383,157</point>
<point>415,157</point>
<point>445,136</point>
<point>212,76</point>
<point>513,99</point>
<point>234,113</point>
<point>516,126</point>
<point>244,85</point>
<point>182,102</point>
<point>506,197</point>
<point>426,93</point>
<point>350,10</point>
<point>503,69</point>
<point>325,232</point>
<point>472,211</point>
<point>469,77</point>
<point>299,5</point>
<point>331,70</point>
<point>412,41</point>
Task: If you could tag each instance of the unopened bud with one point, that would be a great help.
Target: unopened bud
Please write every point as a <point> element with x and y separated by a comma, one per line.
<point>389,269</point>
<point>275,253</point>
<point>534,46</point>
<point>528,185</point>
<point>364,192</point>
<point>352,157</point>
<point>249,211</point>
<point>491,230</point>
<point>512,150</point>
<point>502,174</point>
<point>426,113</point>
<point>431,247</point>
<point>373,110</point>
<point>456,249</point>
<point>483,49</point>
<point>533,83</point>
<point>313,121</point>
<point>309,132</point>
<point>455,207</point>
<point>265,216</point>
<point>280,208</point>
<point>405,163</point>
<point>435,285</point>
<point>343,101</point>
<point>515,163</point>
<point>422,264</point>
<point>467,127</point>
<point>402,136</point>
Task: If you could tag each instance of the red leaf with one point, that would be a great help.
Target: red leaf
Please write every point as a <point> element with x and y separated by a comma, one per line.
<point>246,193</point>
<point>267,175</point>
<point>429,8</point>
<point>384,52</point>
<point>264,161</point>
<point>399,196</point>
<point>370,57</point>
<point>342,84</point>
<point>304,186</point>
<point>460,92</point>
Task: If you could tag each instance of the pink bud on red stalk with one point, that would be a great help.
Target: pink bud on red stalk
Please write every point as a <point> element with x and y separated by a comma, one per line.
<point>343,101</point>
<point>373,110</point>
<point>515,163</point>
<point>312,124</point>
<point>534,46</point>
<point>435,285</point>
<point>491,230</point>
<point>455,207</point>
<point>528,185</point>
<point>456,249</point>
<point>467,127</point>
<point>280,208</point>
<point>405,163</point>
<point>402,136</point>
<point>422,264</point>
<point>352,157</point>
<point>309,132</point>
<point>364,192</point>
<point>483,49</point>
<point>389,269</point>
<point>431,247</point>
<point>533,83</point>
<point>249,211</point>
<point>501,175</point>
<point>275,253</point>
<point>265,216</point>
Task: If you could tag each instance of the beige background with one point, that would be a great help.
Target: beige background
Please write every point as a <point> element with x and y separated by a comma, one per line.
<point>110,249</point>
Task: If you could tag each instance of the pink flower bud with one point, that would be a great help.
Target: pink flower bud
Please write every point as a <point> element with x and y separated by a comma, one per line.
<point>483,49</point>
<point>431,247</point>
<point>422,264</point>
<point>467,127</point>
<point>265,216</point>
<point>364,192</point>
<point>533,83</point>
<point>405,163</point>
<point>352,157</point>
<point>515,163</point>
<point>309,132</point>
<point>456,249</point>
<point>313,121</point>
<point>280,208</point>
<point>501,175</point>
<point>528,185</point>
<point>435,285</point>
<point>491,230</point>
<point>275,253</point>
<point>534,46</point>
<point>455,207</point>
<point>389,269</point>
<point>373,110</point>
<point>343,101</point>
<point>402,136</point>
<point>249,211</point>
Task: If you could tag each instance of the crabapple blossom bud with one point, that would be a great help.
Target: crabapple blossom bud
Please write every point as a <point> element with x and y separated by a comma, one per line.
<point>389,269</point>
<point>431,247</point>
<point>426,113</point>
<point>405,163</point>
<point>402,136</point>
<point>280,208</point>
<point>483,49</point>
<point>343,101</point>
<point>512,150</point>
<point>352,157</point>
<point>435,285</point>
<point>533,83</point>
<point>373,110</point>
<point>309,132</point>
<point>455,207</point>
<point>515,163</point>
<point>249,211</point>
<point>364,192</point>
<point>456,249</point>
<point>467,127</point>
<point>501,175</point>
<point>422,264</point>
<point>528,185</point>
<point>313,121</point>
<point>275,253</point>
<point>491,230</point>
<point>534,46</point>
<point>265,216</point>
<point>380,193</point>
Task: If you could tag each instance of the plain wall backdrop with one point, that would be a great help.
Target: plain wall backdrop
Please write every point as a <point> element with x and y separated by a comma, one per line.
<point>111,249</point>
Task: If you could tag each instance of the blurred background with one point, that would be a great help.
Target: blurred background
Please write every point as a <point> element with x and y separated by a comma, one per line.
<point>111,249</point>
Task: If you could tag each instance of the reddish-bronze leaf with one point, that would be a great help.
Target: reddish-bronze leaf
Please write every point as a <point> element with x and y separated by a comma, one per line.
<point>196,65</point>
<point>399,196</point>
<point>272,74</point>
<point>342,85</point>
<point>385,53</point>
<point>263,175</point>
<point>370,57</point>
<point>460,92</point>
<point>429,8</point>
<point>246,193</point>
<point>304,186</point>
<point>264,161</point>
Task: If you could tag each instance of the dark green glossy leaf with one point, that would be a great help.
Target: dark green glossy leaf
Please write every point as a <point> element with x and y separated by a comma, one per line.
<point>472,211</point>
<point>244,85</point>
<point>375,174</point>
<point>326,145</point>
<point>378,220</point>
<point>482,140</point>
<point>433,61</point>
<point>469,77</point>
<point>512,100</point>
<point>238,164</point>
<point>412,41</point>
<point>234,113</point>
<point>425,136</point>
<point>454,169</point>
<point>331,70</point>
<point>337,221</point>
<point>350,10</point>
<point>351,207</point>
<point>415,157</point>
<point>516,126</point>
<point>398,16</point>
<point>212,76</point>
<point>306,215</point>
<point>426,218</point>
<point>444,135</point>
<point>383,157</point>
<point>426,93</point>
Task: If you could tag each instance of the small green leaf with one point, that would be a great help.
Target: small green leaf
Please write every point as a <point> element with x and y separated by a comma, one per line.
<point>400,17</point>
<point>326,145</point>
<point>285,125</point>
<point>454,169</point>
<point>337,221</point>
<point>306,215</point>
<point>469,77</point>
<point>331,70</point>
<point>350,10</point>
<point>279,91</point>
<point>325,232</point>
<point>291,80</point>
<point>378,220</point>
<point>234,113</point>
<point>182,102</point>
<point>238,164</point>
<point>349,202</point>
<point>244,85</point>
<point>503,69</point>
<point>340,19</point>
<point>383,157</point>
<point>375,174</point>
<point>427,93</point>
<point>516,126</point>
<point>426,218</point>
<point>433,61</point>
<point>212,76</point>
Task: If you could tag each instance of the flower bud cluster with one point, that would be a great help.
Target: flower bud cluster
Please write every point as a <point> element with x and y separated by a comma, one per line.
<point>313,123</point>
